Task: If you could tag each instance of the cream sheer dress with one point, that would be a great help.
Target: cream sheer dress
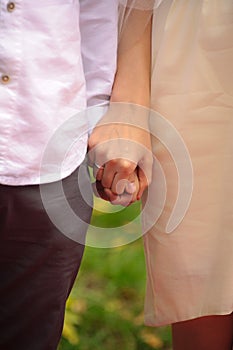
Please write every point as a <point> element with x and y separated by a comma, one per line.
<point>190,270</point>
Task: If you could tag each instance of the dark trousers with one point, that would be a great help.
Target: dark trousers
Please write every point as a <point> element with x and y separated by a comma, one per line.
<point>38,263</point>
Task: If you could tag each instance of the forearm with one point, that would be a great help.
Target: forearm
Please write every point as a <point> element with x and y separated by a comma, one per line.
<point>132,80</point>
<point>122,135</point>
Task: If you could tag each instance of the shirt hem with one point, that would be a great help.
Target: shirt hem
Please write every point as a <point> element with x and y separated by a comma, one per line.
<point>36,180</point>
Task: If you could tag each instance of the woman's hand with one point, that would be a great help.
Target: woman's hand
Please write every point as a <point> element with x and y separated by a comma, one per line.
<point>119,145</point>
<point>129,196</point>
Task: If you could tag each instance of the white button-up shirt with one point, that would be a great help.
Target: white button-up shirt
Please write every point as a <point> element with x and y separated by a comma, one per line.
<point>56,57</point>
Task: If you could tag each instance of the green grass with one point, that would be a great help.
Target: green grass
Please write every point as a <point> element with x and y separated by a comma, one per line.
<point>105,308</point>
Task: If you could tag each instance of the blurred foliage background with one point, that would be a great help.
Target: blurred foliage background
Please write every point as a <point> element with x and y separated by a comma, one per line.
<point>105,308</point>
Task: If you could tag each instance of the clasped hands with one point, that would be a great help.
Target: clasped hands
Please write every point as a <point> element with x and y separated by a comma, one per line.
<point>120,153</point>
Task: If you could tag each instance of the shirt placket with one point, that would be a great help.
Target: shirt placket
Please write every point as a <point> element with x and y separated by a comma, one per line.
<point>10,62</point>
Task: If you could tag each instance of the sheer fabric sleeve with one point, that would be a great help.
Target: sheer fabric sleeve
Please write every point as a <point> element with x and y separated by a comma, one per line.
<point>134,16</point>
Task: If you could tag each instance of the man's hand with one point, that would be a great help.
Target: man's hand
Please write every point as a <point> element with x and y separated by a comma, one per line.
<point>119,145</point>
<point>129,196</point>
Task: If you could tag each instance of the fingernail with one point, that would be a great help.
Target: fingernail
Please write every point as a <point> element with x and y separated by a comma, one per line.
<point>131,187</point>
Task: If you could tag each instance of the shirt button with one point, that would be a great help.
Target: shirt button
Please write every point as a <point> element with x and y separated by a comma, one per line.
<point>10,6</point>
<point>5,79</point>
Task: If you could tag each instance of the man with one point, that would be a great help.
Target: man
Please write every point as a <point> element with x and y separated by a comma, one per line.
<point>50,70</point>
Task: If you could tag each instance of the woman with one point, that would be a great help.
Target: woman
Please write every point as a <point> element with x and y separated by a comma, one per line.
<point>189,271</point>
